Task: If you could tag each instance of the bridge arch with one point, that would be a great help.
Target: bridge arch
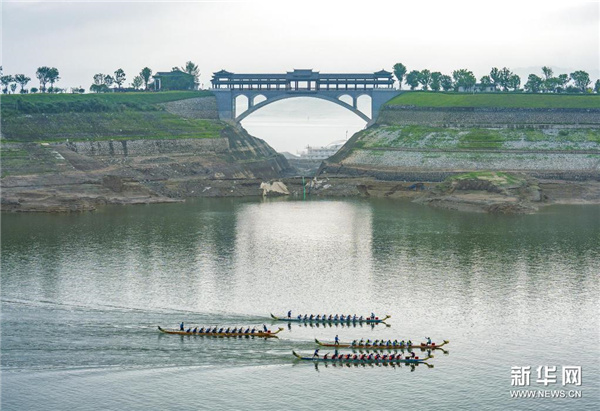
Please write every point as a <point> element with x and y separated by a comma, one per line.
<point>280,97</point>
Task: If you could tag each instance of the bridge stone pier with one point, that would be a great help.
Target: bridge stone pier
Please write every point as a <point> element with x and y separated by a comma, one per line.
<point>263,89</point>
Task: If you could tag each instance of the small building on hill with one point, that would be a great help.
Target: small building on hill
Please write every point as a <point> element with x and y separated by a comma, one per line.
<point>173,80</point>
<point>478,88</point>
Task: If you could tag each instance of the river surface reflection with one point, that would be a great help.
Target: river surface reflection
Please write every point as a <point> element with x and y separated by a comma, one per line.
<point>82,295</point>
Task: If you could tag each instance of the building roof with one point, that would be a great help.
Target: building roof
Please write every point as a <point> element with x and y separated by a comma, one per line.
<point>171,73</point>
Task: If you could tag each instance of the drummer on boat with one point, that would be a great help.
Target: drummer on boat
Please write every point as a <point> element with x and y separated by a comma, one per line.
<point>290,314</point>
<point>337,340</point>
<point>428,340</point>
<point>181,326</point>
<point>316,353</point>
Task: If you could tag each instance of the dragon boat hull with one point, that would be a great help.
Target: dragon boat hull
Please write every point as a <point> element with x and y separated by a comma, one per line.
<point>357,361</point>
<point>260,334</point>
<point>321,321</point>
<point>383,347</point>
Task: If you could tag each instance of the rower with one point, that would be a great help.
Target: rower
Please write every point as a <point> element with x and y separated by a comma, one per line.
<point>395,343</point>
<point>201,330</point>
<point>220,330</point>
<point>305,317</point>
<point>362,357</point>
<point>318,317</point>
<point>311,317</point>
<point>316,353</point>
<point>290,314</point>
<point>324,317</point>
<point>334,356</point>
<point>227,330</point>
<point>342,317</point>
<point>181,326</point>
<point>409,343</point>
<point>354,318</point>
<point>355,357</point>
<point>299,317</point>
<point>412,354</point>
<point>330,317</point>
<point>376,343</point>
<point>234,331</point>
<point>325,356</point>
<point>253,330</point>
<point>337,340</point>
<point>361,318</point>
<point>402,343</point>
<point>188,330</point>
<point>337,317</point>
<point>353,343</point>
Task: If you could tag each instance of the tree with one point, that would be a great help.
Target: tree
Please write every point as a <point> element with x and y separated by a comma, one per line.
<point>412,79</point>
<point>562,81</point>
<point>534,83</point>
<point>6,80</point>
<point>485,81</point>
<point>399,72</point>
<point>13,87</point>
<point>146,73</point>
<point>425,79</point>
<point>109,80</point>
<point>597,86</point>
<point>42,76</point>
<point>119,78</point>
<point>446,82</point>
<point>137,82</point>
<point>192,69</point>
<point>504,78</point>
<point>495,76</point>
<point>22,79</point>
<point>581,80</point>
<point>463,78</point>
<point>514,82</point>
<point>435,80</point>
<point>547,72</point>
<point>53,76</point>
<point>101,83</point>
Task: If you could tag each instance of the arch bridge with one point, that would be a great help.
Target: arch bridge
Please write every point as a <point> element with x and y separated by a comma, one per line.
<point>343,89</point>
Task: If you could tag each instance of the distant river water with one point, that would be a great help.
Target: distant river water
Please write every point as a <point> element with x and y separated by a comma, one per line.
<point>82,296</point>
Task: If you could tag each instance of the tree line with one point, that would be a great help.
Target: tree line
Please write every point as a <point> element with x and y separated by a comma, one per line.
<point>102,83</point>
<point>502,79</point>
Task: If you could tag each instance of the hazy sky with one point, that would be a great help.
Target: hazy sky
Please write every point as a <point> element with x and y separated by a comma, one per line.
<point>82,38</point>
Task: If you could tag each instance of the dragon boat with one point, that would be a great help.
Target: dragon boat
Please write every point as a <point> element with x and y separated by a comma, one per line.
<point>261,334</point>
<point>351,360</point>
<point>422,346</point>
<point>377,320</point>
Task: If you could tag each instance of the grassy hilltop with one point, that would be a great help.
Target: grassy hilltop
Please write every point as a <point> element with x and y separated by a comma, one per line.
<point>114,116</point>
<point>500,100</point>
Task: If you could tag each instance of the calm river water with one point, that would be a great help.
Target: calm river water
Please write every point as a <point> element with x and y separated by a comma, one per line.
<point>82,295</point>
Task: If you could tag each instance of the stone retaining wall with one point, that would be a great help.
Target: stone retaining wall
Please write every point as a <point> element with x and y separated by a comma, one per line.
<point>490,117</point>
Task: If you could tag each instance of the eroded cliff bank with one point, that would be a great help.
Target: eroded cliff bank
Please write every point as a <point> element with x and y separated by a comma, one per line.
<point>556,150</point>
<point>184,152</point>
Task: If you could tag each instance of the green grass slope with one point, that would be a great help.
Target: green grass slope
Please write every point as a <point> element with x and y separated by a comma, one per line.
<point>115,116</point>
<point>502,100</point>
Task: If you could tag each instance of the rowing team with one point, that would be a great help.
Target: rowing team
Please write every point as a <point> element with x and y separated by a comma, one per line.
<point>332,317</point>
<point>365,357</point>
<point>222,330</point>
<point>383,343</point>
